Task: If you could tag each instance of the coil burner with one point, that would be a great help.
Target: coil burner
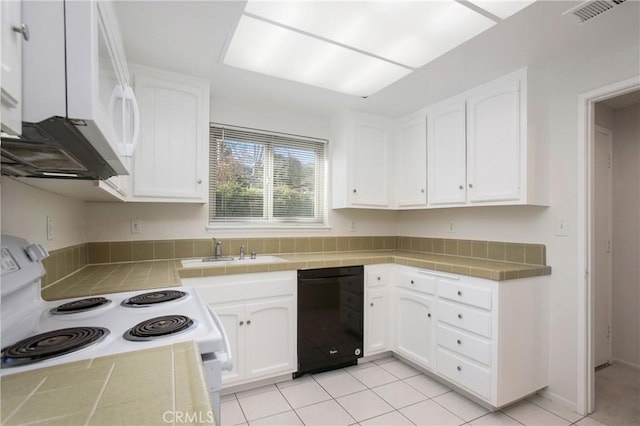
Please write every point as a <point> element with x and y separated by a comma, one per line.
<point>81,305</point>
<point>154,328</point>
<point>51,344</point>
<point>153,298</point>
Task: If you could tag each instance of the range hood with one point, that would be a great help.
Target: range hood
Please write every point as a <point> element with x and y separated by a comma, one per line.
<point>80,117</point>
<point>53,148</point>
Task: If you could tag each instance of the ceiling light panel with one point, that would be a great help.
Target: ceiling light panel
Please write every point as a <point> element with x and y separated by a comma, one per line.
<point>502,8</point>
<point>411,33</point>
<point>270,49</point>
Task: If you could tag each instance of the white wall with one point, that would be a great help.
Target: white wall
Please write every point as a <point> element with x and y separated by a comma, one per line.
<point>110,221</point>
<point>536,224</point>
<point>24,212</point>
<point>626,235</point>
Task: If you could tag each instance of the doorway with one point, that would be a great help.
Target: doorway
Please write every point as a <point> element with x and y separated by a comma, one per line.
<point>598,271</point>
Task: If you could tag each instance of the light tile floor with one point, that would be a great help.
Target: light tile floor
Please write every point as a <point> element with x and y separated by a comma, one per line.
<point>382,392</point>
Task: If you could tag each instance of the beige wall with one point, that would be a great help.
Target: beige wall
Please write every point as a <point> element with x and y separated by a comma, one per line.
<point>111,221</point>
<point>24,212</point>
<point>626,235</point>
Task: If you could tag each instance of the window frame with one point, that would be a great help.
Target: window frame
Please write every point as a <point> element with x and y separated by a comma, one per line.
<point>271,140</point>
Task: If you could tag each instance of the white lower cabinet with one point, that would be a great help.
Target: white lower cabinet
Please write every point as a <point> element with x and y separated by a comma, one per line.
<point>414,327</point>
<point>487,338</point>
<point>376,309</point>
<point>258,312</point>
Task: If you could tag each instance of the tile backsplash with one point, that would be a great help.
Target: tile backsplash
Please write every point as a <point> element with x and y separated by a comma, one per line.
<point>68,260</point>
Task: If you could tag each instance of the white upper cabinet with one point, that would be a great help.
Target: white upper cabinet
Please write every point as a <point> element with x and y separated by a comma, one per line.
<point>13,35</point>
<point>171,160</point>
<point>447,154</point>
<point>479,152</point>
<point>361,161</point>
<point>411,159</point>
<point>494,144</point>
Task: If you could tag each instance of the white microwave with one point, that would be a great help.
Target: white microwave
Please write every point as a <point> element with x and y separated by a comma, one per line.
<point>74,69</point>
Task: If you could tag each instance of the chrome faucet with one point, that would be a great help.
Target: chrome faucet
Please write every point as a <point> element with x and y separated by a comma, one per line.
<point>218,249</point>
<point>242,252</point>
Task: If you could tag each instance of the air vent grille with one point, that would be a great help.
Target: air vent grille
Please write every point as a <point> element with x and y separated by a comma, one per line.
<point>592,8</point>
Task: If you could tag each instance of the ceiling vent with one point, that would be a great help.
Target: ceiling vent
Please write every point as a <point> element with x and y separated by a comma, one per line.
<point>592,8</point>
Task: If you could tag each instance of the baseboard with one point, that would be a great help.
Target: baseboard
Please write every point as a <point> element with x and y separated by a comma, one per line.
<point>571,405</point>
<point>255,384</point>
<point>627,363</point>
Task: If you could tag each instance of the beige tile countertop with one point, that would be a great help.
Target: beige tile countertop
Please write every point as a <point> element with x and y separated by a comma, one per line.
<point>132,276</point>
<point>158,386</point>
<point>481,268</point>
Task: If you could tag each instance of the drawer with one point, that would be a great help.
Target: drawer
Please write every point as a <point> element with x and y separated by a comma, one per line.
<point>417,282</point>
<point>377,278</point>
<point>465,344</point>
<point>464,373</point>
<point>465,318</point>
<point>474,296</point>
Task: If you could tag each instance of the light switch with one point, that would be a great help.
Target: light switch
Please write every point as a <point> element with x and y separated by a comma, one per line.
<point>136,225</point>
<point>561,227</point>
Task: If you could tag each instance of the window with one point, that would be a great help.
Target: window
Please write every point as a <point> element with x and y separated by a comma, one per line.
<point>265,177</point>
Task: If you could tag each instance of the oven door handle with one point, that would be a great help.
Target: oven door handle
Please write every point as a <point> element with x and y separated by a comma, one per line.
<point>224,356</point>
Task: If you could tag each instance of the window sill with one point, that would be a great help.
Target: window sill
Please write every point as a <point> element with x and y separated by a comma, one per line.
<point>266,226</point>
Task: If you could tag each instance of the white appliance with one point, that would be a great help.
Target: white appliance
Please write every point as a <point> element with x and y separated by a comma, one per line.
<point>102,322</point>
<point>74,69</point>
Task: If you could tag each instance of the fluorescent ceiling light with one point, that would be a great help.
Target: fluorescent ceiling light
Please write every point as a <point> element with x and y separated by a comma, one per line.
<point>502,8</point>
<point>355,47</point>
<point>270,49</point>
<point>411,33</point>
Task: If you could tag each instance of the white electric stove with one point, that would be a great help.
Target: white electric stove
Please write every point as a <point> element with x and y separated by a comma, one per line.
<point>37,333</point>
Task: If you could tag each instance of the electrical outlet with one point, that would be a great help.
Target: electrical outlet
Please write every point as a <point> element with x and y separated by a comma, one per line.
<point>50,228</point>
<point>452,227</point>
<point>352,225</point>
<point>136,225</point>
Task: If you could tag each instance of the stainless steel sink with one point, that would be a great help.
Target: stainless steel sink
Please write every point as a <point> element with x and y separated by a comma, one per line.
<point>229,261</point>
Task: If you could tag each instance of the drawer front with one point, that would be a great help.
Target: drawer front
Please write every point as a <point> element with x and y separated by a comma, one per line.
<point>478,297</point>
<point>465,318</point>
<point>417,282</point>
<point>465,344</point>
<point>464,373</point>
<point>377,279</point>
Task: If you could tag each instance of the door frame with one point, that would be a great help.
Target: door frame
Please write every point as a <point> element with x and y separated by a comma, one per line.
<point>586,125</point>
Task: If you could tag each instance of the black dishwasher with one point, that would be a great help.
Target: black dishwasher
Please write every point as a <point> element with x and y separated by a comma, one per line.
<point>330,318</point>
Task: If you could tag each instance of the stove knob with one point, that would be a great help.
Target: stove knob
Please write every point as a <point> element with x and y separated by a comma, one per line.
<point>36,252</point>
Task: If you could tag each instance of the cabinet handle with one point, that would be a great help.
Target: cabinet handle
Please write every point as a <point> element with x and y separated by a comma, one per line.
<point>371,303</point>
<point>461,187</point>
<point>241,323</point>
<point>459,341</point>
<point>459,292</point>
<point>460,316</point>
<point>411,281</point>
<point>24,30</point>
<point>199,181</point>
<point>422,190</point>
<point>248,322</point>
<point>378,278</point>
<point>459,368</point>
<point>355,190</point>
<point>429,315</point>
<point>470,185</point>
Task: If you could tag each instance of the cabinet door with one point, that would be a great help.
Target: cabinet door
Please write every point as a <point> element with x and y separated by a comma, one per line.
<point>171,157</point>
<point>232,318</point>
<point>369,165</point>
<point>376,320</point>
<point>493,144</point>
<point>11,15</point>
<point>446,144</point>
<point>270,328</point>
<point>411,164</point>
<point>414,327</point>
